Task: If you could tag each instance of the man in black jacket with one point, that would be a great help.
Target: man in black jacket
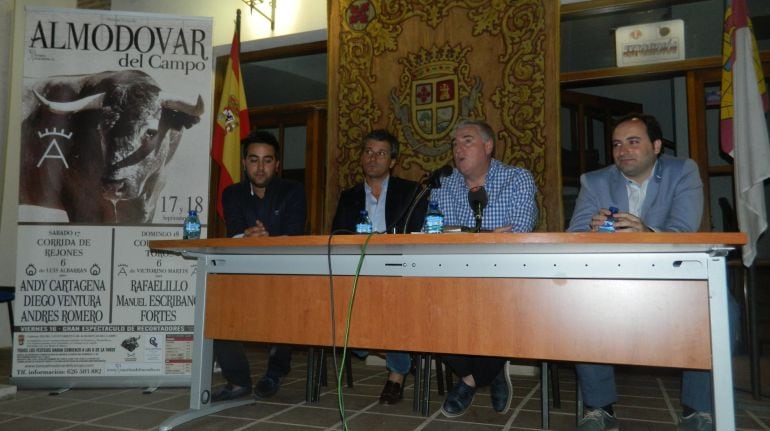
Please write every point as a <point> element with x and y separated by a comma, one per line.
<point>387,199</point>
<point>261,205</point>
<point>379,153</point>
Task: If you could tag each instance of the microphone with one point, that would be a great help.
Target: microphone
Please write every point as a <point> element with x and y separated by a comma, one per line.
<point>434,180</point>
<point>478,199</point>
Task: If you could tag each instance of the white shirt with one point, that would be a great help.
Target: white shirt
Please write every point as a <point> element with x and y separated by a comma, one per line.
<point>636,194</point>
<point>376,207</point>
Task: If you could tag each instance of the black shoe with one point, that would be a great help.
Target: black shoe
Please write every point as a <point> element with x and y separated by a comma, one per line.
<point>267,386</point>
<point>392,393</point>
<point>458,400</point>
<point>501,391</point>
<point>228,393</point>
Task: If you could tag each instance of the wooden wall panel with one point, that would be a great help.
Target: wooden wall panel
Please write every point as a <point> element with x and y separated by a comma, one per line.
<point>417,67</point>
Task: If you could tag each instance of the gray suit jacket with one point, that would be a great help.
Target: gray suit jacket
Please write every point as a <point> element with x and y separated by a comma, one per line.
<point>674,200</point>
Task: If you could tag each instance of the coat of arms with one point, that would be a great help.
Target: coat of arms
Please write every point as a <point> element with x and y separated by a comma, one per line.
<point>228,118</point>
<point>436,92</point>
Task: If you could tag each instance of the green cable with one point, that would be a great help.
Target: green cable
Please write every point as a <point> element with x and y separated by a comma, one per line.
<point>340,401</point>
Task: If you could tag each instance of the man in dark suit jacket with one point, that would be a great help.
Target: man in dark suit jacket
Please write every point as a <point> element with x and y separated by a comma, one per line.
<point>397,201</point>
<point>263,204</point>
<point>387,199</point>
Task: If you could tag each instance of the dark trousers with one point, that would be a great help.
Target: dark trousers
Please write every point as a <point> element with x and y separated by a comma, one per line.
<point>484,369</point>
<point>235,366</point>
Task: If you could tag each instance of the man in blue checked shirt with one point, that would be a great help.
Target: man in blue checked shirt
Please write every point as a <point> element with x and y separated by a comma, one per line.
<point>511,207</point>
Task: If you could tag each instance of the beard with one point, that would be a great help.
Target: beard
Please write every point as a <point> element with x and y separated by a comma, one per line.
<point>260,181</point>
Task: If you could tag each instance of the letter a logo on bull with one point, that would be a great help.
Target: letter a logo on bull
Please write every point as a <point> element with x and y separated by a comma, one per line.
<point>53,151</point>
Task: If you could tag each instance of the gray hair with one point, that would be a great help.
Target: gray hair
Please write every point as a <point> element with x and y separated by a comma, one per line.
<point>484,129</point>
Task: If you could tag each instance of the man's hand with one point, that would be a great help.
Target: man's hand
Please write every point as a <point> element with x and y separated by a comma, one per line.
<point>257,230</point>
<point>624,222</point>
<point>598,219</point>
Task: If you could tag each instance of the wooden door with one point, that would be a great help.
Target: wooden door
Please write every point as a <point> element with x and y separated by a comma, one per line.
<point>586,138</point>
<point>301,133</point>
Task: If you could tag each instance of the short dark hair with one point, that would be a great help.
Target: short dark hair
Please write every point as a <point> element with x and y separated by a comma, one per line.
<point>653,127</point>
<point>260,137</point>
<point>385,136</point>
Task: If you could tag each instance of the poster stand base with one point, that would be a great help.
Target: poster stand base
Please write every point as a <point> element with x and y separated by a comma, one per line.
<point>7,391</point>
<point>192,414</point>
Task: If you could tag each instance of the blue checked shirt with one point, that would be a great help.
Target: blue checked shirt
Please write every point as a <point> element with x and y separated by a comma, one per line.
<point>511,193</point>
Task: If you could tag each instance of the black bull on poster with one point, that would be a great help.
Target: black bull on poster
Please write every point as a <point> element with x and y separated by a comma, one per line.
<point>95,145</point>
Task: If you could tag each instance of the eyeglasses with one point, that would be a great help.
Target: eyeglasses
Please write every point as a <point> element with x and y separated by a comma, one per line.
<point>382,154</point>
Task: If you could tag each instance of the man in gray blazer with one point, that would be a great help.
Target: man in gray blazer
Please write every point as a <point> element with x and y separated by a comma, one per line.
<point>653,193</point>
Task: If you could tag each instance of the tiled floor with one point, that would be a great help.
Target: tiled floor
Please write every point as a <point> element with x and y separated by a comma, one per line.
<point>648,401</point>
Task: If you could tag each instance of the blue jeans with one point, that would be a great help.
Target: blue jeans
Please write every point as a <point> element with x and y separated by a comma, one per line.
<point>597,382</point>
<point>397,362</point>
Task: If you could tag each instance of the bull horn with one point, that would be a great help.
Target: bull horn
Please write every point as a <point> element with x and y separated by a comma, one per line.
<point>82,104</point>
<point>184,107</point>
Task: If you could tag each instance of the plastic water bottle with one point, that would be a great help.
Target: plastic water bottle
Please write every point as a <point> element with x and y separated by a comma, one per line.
<point>434,219</point>
<point>192,226</point>
<point>609,224</point>
<point>364,224</point>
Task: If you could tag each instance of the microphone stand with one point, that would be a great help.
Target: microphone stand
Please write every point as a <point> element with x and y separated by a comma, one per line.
<point>479,216</point>
<point>394,227</point>
<point>424,190</point>
<point>433,182</point>
<point>477,200</point>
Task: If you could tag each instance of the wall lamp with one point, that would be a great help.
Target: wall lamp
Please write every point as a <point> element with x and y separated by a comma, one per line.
<point>252,4</point>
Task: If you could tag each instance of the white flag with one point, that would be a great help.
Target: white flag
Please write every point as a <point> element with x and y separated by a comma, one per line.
<point>744,127</point>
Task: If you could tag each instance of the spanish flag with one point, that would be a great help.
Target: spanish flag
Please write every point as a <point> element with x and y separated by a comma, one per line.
<point>232,124</point>
<point>743,126</point>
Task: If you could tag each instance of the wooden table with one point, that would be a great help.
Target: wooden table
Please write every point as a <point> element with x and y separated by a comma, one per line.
<point>655,299</point>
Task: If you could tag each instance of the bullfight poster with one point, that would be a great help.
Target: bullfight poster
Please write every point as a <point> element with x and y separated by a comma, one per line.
<point>115,136</point>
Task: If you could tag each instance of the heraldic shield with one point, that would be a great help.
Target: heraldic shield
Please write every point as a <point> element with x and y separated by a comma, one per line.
<point>434,105</point>
<point>436,92</point>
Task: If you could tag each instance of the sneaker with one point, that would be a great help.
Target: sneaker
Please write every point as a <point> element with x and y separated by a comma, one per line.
<point>598,420</point>
<point>267,386</point>
<point>501,390</point>
<point>230,393</point>
<point>392,393</point>
<point>696,422</point>
<point>458,400</point>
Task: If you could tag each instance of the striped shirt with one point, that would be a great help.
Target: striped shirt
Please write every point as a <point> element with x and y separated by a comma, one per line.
<point>511,192</point>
